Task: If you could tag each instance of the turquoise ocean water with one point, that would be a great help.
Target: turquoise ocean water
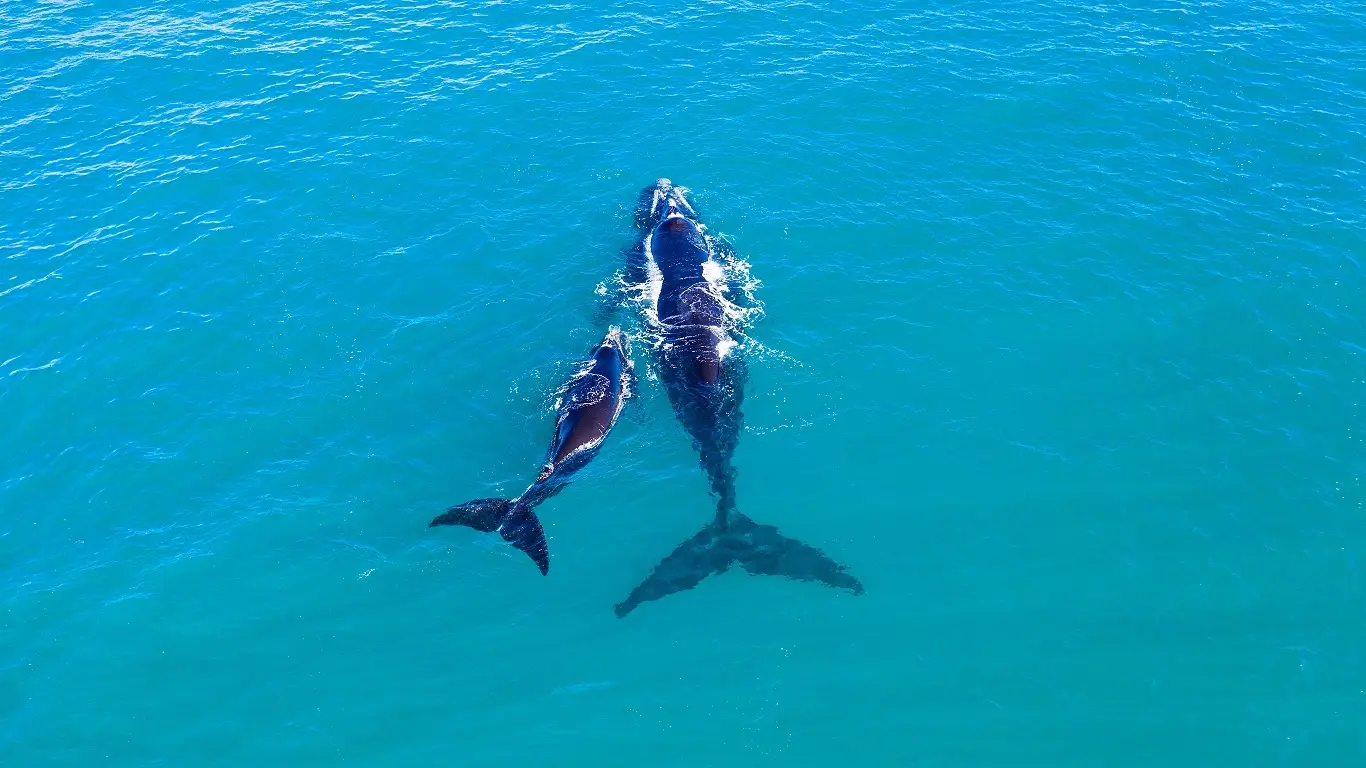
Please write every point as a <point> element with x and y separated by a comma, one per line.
<point>1062,353</point>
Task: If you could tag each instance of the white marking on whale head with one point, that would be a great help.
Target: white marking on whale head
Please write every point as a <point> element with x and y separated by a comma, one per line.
<point>679,195</point>
<point>658,198</point>
<point>669,201</point>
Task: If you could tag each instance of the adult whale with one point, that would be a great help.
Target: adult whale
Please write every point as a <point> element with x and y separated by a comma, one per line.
<point>705,378</point>
<point>587,409</point>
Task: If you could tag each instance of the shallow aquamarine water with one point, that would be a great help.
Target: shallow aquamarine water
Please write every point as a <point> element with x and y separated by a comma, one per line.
<point>1062,353</point>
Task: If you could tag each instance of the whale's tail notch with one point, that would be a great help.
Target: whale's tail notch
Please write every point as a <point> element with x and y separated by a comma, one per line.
<point>736,539</point>
<point>516,523</point>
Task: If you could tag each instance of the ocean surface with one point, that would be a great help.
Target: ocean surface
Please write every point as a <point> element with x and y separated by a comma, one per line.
<point>1062,352</point>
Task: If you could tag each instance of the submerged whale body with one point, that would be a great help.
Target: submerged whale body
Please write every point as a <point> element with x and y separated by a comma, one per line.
<point>587,410</point>
<point>704,379</point>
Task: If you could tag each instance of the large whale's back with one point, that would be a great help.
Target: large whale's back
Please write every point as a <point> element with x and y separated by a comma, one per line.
<point>679,252</point>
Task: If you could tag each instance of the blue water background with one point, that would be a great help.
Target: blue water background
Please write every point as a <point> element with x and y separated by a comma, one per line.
<point>1062,354</point>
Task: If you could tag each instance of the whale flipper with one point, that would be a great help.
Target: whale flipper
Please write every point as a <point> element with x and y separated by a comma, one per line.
<point>759,549</point>
<point>516,523</point>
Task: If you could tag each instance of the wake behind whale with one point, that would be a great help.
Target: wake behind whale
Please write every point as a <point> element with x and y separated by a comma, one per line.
<point>683,300</point>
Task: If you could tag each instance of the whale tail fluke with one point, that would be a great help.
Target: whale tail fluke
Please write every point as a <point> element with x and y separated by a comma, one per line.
<point>516,523</point>
<point>759,549</point>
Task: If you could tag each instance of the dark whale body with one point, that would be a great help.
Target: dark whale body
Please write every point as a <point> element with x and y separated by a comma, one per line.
<point>705,383</point>
<point>587,410</point>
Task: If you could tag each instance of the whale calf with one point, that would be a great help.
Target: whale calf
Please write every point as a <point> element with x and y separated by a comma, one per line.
<point>587,409</point>
<point>704,377</point>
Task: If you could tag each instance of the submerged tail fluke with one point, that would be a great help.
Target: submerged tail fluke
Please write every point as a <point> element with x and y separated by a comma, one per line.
<point>759,549</point>
<point>516,523</point>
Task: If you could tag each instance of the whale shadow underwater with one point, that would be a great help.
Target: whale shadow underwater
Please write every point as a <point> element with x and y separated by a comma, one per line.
<point>675,268</point>
<point>587,409</point>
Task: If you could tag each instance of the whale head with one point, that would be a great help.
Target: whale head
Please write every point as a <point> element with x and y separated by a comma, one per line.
<point>662,201</point>
<point>614,351</point>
